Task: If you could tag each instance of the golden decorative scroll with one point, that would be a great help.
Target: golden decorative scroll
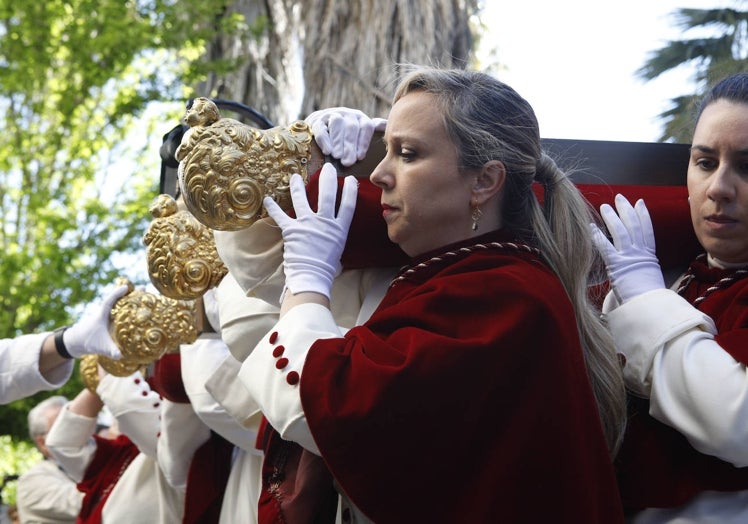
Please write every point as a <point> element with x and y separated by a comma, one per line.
<point>89,372</point>
<point>146,326</point>
<point>183,262</point>
<point>227,167</point>
<point>120,368</point>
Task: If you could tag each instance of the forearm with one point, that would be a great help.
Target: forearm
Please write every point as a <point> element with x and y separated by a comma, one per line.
<point>20,371</point>
<point>693,384</point>
<point>86,403</point>
<point>136,407</point>
<point>182,432</point>
<point>276,389</point>
<point>49,358</point>
<point>209,363</point>
<point>70,441</point>
<point>702,391</point>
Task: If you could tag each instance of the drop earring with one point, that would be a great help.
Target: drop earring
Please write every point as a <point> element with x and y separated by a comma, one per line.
<point>477,213</point>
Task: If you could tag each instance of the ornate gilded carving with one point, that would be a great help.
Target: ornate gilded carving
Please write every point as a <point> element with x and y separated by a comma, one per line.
<point>146,326</point>
<point>183,262</point>
<point>120,368</point>
<point>89,372</point>
<point>227,167</point>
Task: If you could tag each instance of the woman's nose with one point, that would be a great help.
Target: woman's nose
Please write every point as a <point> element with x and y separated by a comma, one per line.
<point>378,175</point>
<point>721,186</point>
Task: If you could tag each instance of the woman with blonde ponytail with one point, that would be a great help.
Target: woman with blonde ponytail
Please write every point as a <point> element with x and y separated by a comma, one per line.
<point>484,387</point>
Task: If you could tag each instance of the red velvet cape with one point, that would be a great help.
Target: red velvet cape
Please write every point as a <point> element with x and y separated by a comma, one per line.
<point>111,459</point>
<point>464,399</point>
<point>657,466</point>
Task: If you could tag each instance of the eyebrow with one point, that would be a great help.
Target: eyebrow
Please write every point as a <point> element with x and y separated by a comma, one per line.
<point>705,149</point>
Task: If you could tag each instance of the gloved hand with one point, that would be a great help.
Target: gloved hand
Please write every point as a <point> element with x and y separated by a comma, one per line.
<point>630,260</point>
<point>90,335</point>
<point>344,133</point>
<point>313,242</point>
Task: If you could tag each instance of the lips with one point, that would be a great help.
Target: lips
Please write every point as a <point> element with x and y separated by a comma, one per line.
<point>387,210</point>
<point>720,219</point>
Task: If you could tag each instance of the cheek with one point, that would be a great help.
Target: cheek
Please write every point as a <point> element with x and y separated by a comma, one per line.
<point>743,195</point>
<point>696,190</point>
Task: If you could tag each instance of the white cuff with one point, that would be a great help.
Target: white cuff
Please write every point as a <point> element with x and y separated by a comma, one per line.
<point>643,325</point>
<point>273,371</point>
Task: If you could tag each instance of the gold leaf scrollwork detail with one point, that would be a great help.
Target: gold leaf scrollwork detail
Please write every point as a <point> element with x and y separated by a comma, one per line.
<point>146,326</point>
<point>183,261</point>
<point>227,167</point>
<point>89,372</point>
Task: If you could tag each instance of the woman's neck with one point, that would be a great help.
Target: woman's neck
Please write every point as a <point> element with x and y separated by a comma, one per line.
<point>721,264</point>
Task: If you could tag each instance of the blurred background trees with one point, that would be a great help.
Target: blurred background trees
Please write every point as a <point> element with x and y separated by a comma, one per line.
<point>89,87</point>
<point>714,42</point>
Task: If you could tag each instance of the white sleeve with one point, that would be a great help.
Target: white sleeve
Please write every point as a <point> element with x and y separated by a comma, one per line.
<point>136,407</point>
<point>200,361</point>
<point>693,384</point>
<point>71,443</point>
<point>19,368</point>
<point>272,371</point>
<point>254,257</point>
<point>182,433</point>
<point>244,319</point>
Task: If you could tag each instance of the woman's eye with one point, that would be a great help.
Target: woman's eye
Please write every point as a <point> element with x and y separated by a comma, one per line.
<point>705,164</point>
<point>407,154</point>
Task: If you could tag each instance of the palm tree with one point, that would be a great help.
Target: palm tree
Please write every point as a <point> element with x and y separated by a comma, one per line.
<point>712,57</point>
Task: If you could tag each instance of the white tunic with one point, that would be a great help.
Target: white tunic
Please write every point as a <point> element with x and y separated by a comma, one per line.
<point>693,385</point>
<point>141,494</point>
<point>19,368</point>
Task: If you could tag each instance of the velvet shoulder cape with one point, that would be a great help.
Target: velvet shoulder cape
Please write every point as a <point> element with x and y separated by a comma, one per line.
<point>464,398</point>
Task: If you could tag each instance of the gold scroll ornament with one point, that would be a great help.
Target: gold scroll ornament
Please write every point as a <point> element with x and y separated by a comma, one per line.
<point>227,167</point>
<point>145,327</point>
<point>183,261</point>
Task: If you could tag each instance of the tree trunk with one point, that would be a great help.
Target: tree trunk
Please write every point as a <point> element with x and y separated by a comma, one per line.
<point>268,72</point>
<point>351,55</point>
<point>311,54</point>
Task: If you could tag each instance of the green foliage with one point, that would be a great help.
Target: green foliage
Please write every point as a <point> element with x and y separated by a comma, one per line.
<point>718,49</point>
<point>15,459</point>
<point>76,78</point>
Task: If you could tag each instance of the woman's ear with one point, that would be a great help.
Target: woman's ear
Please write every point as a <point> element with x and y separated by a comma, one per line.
<point>488,181</point>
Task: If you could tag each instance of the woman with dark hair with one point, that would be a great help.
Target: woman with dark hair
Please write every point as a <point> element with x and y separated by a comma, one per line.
<point>685,452</point>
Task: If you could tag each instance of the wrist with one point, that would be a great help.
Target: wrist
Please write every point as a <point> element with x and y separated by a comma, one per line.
<point>60,346</point>
<point>290,300</point>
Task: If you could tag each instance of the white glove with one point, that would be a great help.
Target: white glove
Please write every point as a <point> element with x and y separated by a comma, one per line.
<point>313,242</point>
<point>344,133</point>
<point>630,260</point>
<point>90,335</point>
